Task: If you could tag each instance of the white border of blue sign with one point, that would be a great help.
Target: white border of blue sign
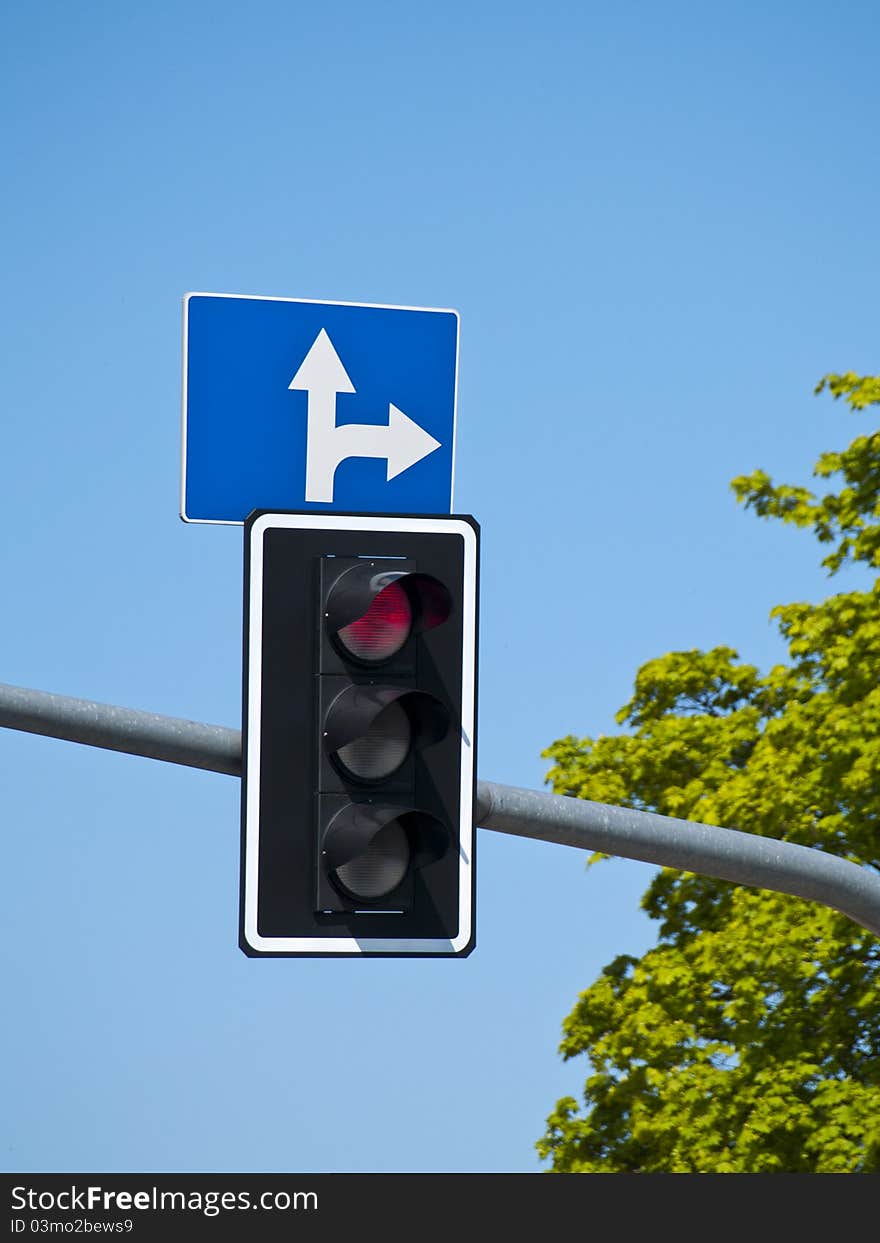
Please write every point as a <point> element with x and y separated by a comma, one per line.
<point>381,306</point>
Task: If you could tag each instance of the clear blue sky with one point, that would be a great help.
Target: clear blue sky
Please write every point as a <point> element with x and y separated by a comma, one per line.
<point>659,226</point>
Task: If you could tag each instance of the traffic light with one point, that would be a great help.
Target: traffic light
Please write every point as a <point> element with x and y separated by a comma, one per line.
<point>360,639</point>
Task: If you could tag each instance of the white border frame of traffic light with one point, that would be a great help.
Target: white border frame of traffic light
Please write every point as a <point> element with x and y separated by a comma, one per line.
<point>329,946</point>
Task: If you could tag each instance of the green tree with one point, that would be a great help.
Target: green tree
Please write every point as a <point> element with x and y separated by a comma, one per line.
<point>748,1038</point>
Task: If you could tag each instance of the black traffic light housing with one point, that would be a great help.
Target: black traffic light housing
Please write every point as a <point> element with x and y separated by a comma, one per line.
<point>360,643</point>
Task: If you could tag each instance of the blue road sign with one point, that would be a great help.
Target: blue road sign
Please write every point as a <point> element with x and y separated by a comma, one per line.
<point>293,404</point>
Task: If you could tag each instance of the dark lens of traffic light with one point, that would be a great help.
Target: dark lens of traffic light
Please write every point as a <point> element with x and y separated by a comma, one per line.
<point>381,867</point>
<point>382,749</point>
<point>383,629</point>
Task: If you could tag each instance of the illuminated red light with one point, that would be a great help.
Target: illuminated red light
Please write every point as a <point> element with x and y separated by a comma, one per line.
<point>383,629</point>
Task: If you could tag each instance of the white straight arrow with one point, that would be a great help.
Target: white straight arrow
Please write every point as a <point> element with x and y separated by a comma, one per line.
<point>400,441</point>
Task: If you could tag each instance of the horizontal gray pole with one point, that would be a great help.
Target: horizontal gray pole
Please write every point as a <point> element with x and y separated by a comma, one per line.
<point>727,854</point>
<point>214,747</point>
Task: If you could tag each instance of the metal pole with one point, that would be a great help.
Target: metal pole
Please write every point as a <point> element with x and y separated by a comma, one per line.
<point>122,729</point>
<point>727,854</point>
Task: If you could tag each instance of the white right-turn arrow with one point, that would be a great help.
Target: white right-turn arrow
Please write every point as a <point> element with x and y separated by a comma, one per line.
<point>401,441</point>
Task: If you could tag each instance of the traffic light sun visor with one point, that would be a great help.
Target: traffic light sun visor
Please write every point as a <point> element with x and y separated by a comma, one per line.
<point>364,840</point>
<point>371,615</point>
<point>383,711</point>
